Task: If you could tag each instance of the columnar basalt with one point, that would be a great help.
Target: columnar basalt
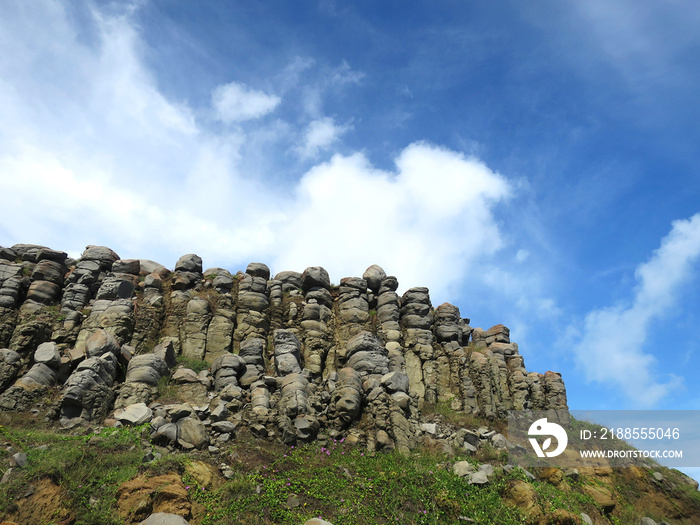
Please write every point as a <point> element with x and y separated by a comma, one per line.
<point>290,357</point>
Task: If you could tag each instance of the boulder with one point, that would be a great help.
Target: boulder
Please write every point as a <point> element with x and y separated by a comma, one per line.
<point>48,354</point>
<point>315,277</point>
<point>189,263</point>
<point>374,275</point>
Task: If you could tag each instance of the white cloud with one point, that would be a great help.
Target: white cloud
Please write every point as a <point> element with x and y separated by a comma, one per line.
<point>319,135</point>
<point>237,102</point>
<point>427,222</point>
<point>611,348</point>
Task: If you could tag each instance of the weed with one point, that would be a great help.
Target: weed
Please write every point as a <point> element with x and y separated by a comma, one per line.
<point>193,364</point>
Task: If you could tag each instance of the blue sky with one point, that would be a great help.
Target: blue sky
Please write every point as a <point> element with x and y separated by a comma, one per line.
<point>534,163</point>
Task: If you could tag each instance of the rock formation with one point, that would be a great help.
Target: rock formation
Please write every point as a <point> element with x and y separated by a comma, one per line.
<point>290,357</point>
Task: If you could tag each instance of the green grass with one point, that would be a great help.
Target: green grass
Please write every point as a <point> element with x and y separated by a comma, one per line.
<point>193,364</point>
<point>89,469</point>
<point>347,486</point>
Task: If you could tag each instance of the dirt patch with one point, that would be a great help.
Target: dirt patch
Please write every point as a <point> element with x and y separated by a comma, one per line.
<point>46,505</point>
<point>139,498</point>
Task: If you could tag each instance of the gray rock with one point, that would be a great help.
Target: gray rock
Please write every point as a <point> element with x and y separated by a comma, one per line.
<point>51,271</point>
<point>100,343</point>
<point>646,521</point>
<point>44,292</point>
<point>430,428</point>
<point>586,519</point>
<point>147,266</point>
<point>499,441</point>
<point>478,478</point>
<point>189,263</point>
<point>134,415</point>
<point>18,460</point>
<point>48,354</point>
<point>374,275</point>
<point>192,431</point>
<point>395,382</point>
<point>35,253</point>
<point>315,276</point>
<point>463,468</point>
<point>258,270</point>
<point>101,255</point>
<point>165,434</point>
<point>146,368</point>
<point>163,518</point>
<point>39,374</point>
<point>128,266</point>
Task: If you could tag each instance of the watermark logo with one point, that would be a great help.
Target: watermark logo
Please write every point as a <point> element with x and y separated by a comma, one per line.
<point>542,427</point>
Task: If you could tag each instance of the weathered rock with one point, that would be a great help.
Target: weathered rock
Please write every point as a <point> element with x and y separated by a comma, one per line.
<point>48,354</point>
<point>101,255</point>
<point>287,352</point>
<point>315,276</point>
<point>191,431</point>
<point>146,368</point>
<point>374,275</point>
<point>128,266</point>
<point>10,363</point>
<point>50,271</point>
<point>134,415</point>
<point>226,370</point>
<point>100,343</point>
<point>44,292</point>
<point>189,263</point>
<point>164,518</point>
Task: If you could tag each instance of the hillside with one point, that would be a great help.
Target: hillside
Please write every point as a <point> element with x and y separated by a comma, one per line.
<point>129,389</point>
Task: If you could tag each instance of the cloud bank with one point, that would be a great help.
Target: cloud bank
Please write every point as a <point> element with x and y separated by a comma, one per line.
<point>611,346</point>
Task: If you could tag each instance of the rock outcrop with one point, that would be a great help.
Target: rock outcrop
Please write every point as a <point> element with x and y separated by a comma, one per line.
<point>290,357</point>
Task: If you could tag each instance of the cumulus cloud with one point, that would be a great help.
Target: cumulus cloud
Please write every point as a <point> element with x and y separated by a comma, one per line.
<point>426,222</point>
<point>319,135</point>
<point>237,102</point>
<point>611,346</point>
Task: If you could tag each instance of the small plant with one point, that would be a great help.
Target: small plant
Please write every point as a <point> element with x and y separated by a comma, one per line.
<point>197,365</point>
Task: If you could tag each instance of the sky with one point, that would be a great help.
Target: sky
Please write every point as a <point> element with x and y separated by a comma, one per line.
<point>533,163</point>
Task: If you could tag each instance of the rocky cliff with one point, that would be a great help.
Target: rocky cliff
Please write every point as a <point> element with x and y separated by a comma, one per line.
<point>293,354</point>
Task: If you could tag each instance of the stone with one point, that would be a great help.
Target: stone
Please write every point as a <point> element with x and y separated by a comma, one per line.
<point>100,343</point>
<point>463,468</point>
<point>647,521</point>
<point>315,276</point>
<point>395,382</point>
<point>258,270</point>
<point>134,415</point>
<point>128,266</point>
<point>189,263</point>
<point>50,271</point>
<point>499,441</point>
<point>430,428</point>
<point>146,368</point>
<point>374,275</point>
<point>586,519</point>
<point>44,292</point>
<point>18,460</point>
<point>48,354</point>
<point>101,255</point>
<point>478,478</point>
<point>192,431</point>
<point>151,267</point>
<point>317,521</point>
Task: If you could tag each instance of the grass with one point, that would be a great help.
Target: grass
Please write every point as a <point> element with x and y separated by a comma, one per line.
<point>197,365</point>
<point>342,484</point>
<point>88,469</point>
<point>349,487</point>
